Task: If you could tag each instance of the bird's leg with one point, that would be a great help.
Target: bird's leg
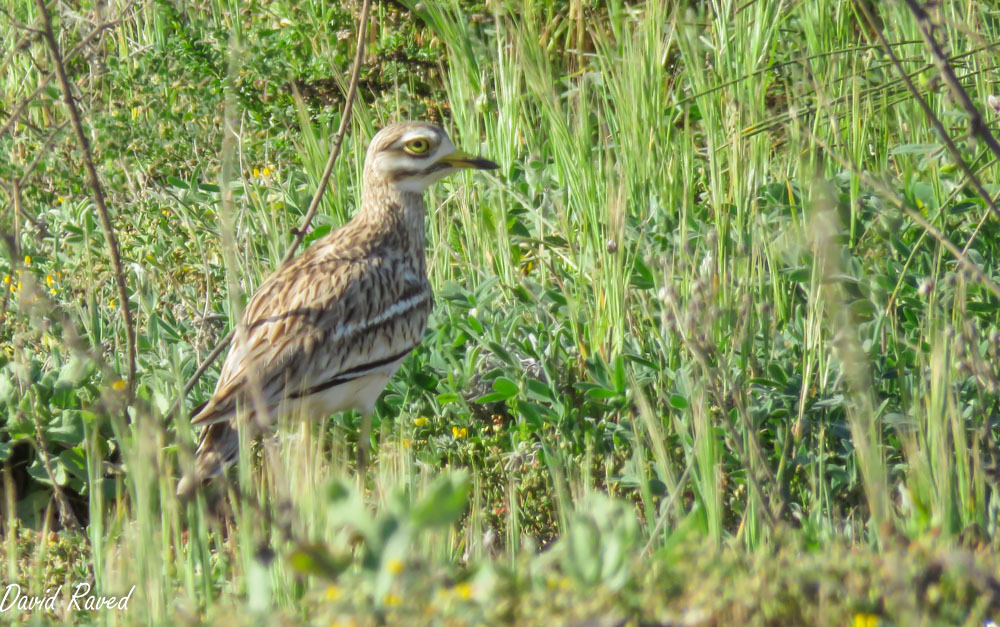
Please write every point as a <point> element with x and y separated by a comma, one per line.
<point>364,443</point>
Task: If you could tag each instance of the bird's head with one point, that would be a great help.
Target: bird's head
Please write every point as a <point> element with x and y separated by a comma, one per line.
<point>413,155</point>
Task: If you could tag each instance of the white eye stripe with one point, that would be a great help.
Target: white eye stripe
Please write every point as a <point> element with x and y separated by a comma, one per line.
<point>418,133</point>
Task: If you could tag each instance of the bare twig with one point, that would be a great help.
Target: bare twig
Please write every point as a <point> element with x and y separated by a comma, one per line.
<point>98,192</point>
<point>345,119</point>
<point>931,117</point>
<point>892,197</point>
<point>66,514</point>
<point>15,191</point>
<point>38,158</point>
<point>300,232</point>
<point>977,127</point>
<point>75,50</point>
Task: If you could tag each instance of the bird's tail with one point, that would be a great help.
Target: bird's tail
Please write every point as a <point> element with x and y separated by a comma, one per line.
<point>217,450</point>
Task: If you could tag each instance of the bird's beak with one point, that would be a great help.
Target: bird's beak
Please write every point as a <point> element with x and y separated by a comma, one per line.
<point>459,159</point>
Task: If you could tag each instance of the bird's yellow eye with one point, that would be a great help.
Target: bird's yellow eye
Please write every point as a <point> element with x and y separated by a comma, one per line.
<point>417,146</point>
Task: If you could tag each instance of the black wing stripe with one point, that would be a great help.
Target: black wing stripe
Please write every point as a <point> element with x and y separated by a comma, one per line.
<point>353,373</point>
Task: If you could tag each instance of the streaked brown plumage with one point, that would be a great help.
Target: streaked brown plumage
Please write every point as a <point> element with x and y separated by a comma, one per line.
<point>327,330</point>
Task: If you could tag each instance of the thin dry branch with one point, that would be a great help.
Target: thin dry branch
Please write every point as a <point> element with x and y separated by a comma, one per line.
<point>898,202</point>
<point>977,126</point>
<point>98,192</point>
<point>942,132</point>
<point>75,50</point>
<point>338,140</point>
<point>300,232</point>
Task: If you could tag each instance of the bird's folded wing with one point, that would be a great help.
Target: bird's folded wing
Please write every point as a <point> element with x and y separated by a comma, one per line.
<point>318,323</point>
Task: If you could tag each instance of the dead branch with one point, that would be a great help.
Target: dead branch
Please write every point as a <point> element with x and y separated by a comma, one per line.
<point>977,126</point>
<point>98,192</point>
<point>75,50</point>
<point>931,117</point>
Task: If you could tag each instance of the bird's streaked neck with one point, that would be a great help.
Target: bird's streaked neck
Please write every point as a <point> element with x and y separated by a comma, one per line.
<point>395,212</point>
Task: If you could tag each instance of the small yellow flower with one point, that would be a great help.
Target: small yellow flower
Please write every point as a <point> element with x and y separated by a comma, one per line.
<point>61,199</point>
<point>166,213</point>
<point>118,385</point>
<point>332,592</point>
<point>391,600</point>
<point>113,303</point>
<point>135,113</point>
<point>53,291</point>
<point>395,566</point>
<point>27,260</point>
<point>421,421</point>
<point>462,591</point>
<point>6,279</point>
<point>265,172</point>
<point>406,442</point>
<point>459,432</point>
<point>863,619</point>
<point>256,173</point>
<point>49,280</point>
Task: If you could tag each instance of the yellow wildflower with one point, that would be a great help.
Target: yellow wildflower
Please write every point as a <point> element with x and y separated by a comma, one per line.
<point>395,566</point>
<point>863,619</point>
<point>265,172</point>
<point>332,592</point>
<point>462,591</point>
<point>391,600</point>
<point>27,260</point>
<point>459,432</point>
<point>48,280</point>
<point>421,421</point>
<point>118,385</point>
<point>256,173</point>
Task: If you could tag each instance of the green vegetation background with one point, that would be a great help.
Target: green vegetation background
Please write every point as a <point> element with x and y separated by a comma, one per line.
<point>717,343</point>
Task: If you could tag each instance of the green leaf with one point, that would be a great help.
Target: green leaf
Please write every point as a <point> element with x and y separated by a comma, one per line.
<point>800,274</point>
<point>315,559</point>
<point>599,393</point>
<point>74,461</point>
<point>444,502</point>
<point>538,391</point>
<point>67,429</point>
<point>533,413</point>
<point>492,397</point>
<point>678,402</point>
<point>447,398</point>
<point>619,374</point>
<point>982,308</point>
<point>914,149</point>
<point>316,233</point>
<point>505,387</point>
<point>74,371</point>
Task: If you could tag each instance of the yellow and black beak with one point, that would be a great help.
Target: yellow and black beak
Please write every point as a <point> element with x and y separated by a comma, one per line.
<point>459,159</point>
